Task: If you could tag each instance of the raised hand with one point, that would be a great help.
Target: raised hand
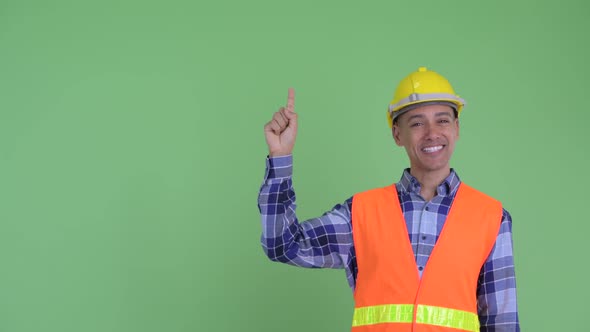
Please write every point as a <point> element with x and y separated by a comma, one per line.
<point>281,130</point>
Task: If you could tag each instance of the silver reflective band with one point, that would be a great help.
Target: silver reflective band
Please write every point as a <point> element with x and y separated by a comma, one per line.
<point>410,107</point>
<point>417,97</point>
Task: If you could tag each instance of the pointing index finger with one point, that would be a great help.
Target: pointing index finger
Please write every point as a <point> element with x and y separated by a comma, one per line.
<point>291,100</point>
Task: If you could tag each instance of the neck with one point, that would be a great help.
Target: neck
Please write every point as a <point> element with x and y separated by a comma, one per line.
<point>429,180</point>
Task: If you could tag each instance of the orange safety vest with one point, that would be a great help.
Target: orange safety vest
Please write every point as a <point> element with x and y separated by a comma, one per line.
<point>389,294</point>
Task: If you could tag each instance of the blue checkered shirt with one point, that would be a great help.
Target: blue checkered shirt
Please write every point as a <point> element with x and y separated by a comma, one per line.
<point>326,241</point>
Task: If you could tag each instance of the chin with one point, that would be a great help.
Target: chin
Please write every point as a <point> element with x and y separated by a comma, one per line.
<point>435,167</point>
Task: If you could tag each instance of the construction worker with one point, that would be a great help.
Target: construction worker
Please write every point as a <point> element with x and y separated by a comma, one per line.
<point>428,253</point>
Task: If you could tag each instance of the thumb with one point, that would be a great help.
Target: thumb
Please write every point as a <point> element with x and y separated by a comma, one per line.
<point>291,117</point>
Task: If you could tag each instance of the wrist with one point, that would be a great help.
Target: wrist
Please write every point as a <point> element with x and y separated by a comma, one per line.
<point>274,154</point>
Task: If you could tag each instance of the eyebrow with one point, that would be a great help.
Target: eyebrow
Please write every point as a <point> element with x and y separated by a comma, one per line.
<point>415,116</point>
<point>446,113</point>
<point>443,113</point>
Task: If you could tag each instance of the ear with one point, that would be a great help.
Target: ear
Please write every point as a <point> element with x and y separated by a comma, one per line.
<point>458,127</point>
<point>395,132</point>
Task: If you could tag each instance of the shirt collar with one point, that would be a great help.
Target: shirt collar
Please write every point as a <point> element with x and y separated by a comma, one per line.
<point>410,184</point>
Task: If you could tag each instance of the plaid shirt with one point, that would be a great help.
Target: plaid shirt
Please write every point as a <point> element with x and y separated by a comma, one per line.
<point>326,241</point>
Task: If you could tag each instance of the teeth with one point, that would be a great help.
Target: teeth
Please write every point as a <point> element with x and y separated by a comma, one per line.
<point>431,149</point>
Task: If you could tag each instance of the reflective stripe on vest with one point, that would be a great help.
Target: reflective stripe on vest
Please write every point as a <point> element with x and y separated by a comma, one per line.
<point>388,313</point>
<point>403,313</point>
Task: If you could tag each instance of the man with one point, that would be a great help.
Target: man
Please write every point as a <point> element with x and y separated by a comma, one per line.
<point>428,253</point>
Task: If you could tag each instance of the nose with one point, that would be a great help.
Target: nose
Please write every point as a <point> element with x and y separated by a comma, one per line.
<point>431,132</point>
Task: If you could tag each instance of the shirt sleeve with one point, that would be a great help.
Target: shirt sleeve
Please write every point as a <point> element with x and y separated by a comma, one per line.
<point>496,291</point>
<point>322,242</point>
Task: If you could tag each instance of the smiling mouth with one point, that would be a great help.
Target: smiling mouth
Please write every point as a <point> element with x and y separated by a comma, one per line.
<point>432,149</point>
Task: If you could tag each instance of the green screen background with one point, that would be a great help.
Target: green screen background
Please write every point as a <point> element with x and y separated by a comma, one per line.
<point>132,151</point>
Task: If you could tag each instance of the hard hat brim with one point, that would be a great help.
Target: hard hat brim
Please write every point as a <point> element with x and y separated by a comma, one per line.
<point>410,107</point>
<point>416,100</point>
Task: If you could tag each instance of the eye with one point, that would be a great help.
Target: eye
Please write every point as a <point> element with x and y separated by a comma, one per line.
<point>444,121</point>
<point>416,124</point>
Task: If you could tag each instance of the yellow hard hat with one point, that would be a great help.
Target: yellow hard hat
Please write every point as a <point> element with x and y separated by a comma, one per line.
<point>422,86</point>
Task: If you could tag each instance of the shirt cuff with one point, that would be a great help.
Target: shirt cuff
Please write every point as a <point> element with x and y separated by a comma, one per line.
<point>279,167</point>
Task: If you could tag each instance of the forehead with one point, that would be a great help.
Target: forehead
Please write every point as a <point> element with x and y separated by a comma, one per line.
<point>428,111</point>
